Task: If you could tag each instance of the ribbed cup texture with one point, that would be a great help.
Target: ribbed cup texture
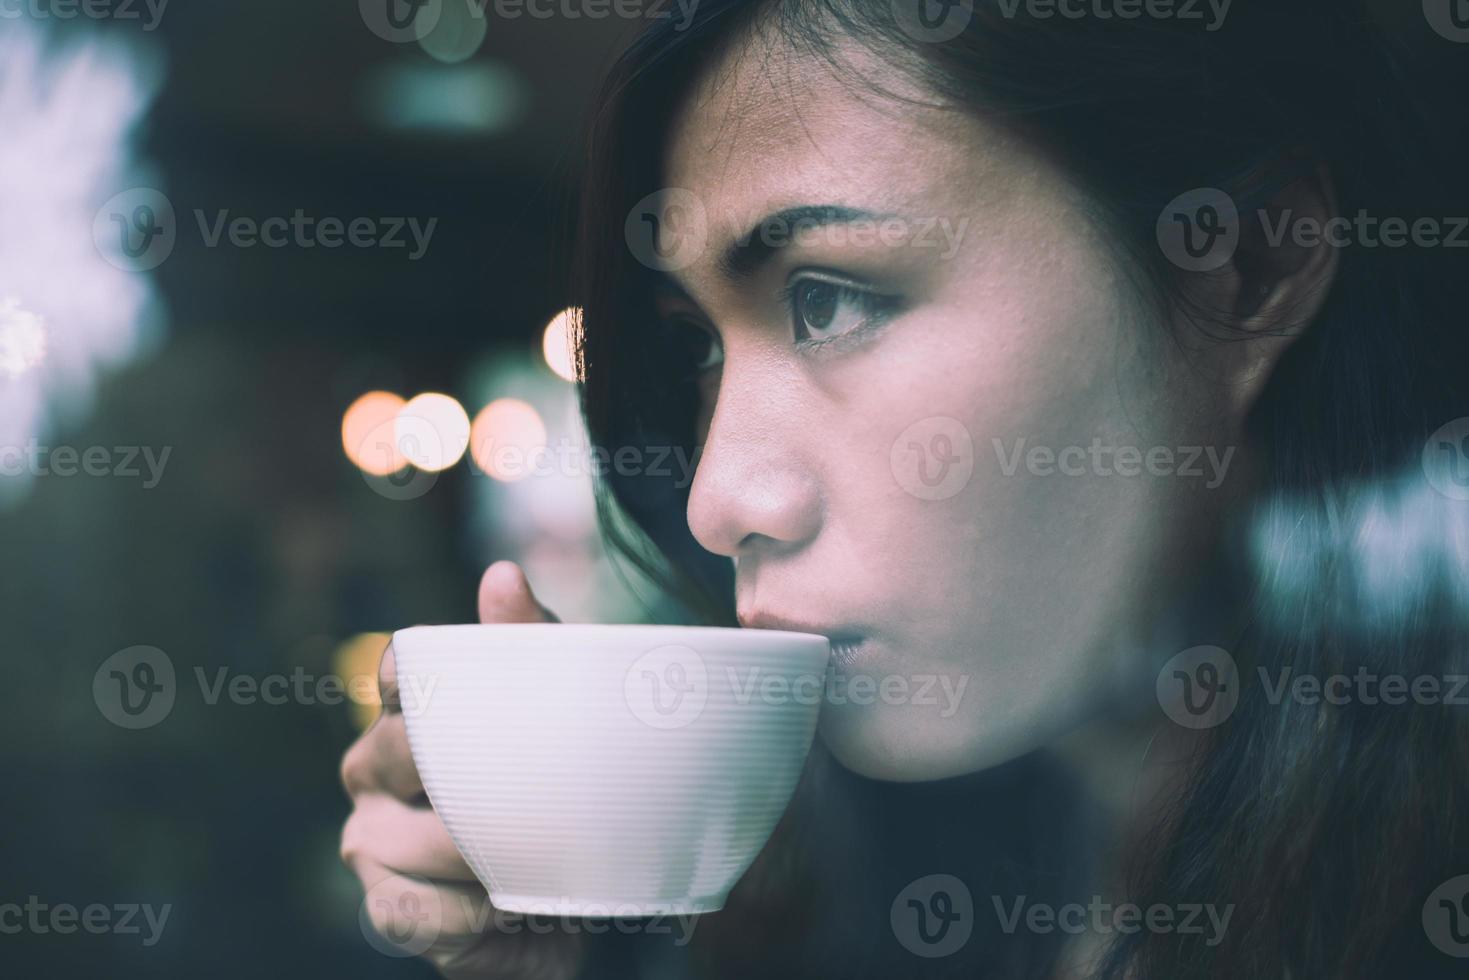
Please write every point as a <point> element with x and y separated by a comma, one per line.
<point>609,770</point>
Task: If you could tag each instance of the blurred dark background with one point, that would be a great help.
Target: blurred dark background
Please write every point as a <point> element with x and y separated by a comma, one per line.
<point>262,549</point>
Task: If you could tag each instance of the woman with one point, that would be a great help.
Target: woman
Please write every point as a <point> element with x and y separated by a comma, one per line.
<point>1049,361</point>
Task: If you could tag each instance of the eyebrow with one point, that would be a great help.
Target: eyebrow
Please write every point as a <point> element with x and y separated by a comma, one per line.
<point>764,239</point>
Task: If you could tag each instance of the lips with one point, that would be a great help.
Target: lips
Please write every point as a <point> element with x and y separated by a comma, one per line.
<point>846,643</point>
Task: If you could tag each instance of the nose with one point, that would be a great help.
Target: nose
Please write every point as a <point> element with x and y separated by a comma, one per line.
<point>755,487</point>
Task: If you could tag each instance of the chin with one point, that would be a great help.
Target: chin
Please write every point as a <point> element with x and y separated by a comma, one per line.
<point>902,744</point>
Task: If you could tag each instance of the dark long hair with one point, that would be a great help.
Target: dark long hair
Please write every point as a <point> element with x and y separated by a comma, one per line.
<point>1326,826</point>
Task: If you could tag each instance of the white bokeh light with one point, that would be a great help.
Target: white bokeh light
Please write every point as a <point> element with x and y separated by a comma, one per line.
<point>68,112</point>
<point>432,431</point>
<point>556,342</point>
<point>22,338</point>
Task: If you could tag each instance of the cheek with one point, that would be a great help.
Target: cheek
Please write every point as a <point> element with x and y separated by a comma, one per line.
<point>996,569</point>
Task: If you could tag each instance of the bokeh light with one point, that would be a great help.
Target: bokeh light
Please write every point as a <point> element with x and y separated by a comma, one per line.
<point>369,433</point>
<point>556,342</point>
<point>355,662</point>
<point>22,338</point>
<point>457,32</point>
<point>506,438</point>
<point>433,431</point>
<point>70,105</point>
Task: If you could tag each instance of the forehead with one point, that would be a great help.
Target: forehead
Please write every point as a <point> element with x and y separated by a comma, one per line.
<point>769,127</point>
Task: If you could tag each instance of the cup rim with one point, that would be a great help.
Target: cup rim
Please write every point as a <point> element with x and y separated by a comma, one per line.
<point>767,636</point>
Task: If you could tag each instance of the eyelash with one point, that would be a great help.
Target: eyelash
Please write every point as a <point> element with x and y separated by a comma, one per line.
<point>877,309</point>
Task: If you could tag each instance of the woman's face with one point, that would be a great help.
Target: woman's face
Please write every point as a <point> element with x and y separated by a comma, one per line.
<point>945,429</point>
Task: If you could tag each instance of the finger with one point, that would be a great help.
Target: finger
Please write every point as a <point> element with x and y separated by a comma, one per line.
<point>402,839</point>
<point>505,597</point>
<point>381,762</point>
<point>387,680</point>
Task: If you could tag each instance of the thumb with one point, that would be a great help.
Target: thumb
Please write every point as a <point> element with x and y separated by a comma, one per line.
<point>505,597</point>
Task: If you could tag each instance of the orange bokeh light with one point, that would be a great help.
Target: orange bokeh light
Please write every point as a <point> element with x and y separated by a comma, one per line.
<point>506,437</point>
<point>368,433</point>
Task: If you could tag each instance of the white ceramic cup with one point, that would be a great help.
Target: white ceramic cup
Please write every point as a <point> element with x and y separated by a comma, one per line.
<point>609,770</point>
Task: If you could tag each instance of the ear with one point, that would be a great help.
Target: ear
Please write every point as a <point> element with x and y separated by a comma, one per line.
<point>1274,286</point>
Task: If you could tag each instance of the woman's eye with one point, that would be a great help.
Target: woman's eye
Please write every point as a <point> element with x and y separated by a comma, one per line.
<point>696,346</point>
<point>823,310</point>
